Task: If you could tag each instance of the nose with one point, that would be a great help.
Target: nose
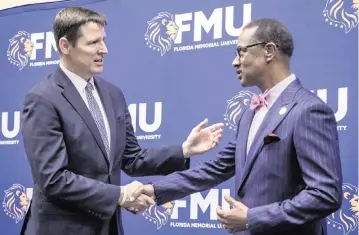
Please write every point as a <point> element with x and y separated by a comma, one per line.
<point>236,62</point>
<point>103,49</point>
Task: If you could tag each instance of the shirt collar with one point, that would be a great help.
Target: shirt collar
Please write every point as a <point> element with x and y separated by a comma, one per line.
<point>79,82</point>
<point>277,90</point>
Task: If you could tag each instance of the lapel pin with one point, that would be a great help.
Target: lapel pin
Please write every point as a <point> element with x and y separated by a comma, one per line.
<point>282,111</point>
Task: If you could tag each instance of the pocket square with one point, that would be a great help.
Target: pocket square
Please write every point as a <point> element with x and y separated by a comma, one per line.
<point>271,138</point>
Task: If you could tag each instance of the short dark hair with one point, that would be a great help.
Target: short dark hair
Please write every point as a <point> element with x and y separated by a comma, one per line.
<point>271,30</point>
<point>69,20</point>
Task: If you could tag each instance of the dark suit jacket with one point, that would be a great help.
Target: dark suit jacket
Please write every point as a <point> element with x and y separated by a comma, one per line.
<point>290,182</point>
<point>76,187</point>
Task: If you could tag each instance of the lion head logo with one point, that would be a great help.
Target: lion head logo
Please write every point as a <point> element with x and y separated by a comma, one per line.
<point>161,32</point>
<point>235,106</point>
<point>342,13</point>
<point>20,49</point>
<point>159,214</point>
<point>346,218</point>
<point>16,202</point>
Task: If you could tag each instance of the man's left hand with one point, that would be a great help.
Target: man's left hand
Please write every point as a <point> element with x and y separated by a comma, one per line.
<point>233,220</point>
<point>202,139</point>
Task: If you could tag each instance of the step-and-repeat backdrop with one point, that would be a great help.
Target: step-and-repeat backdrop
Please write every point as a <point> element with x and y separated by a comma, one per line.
<point>173,61</point>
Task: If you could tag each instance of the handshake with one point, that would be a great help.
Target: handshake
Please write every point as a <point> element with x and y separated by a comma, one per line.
<point>137,197</point>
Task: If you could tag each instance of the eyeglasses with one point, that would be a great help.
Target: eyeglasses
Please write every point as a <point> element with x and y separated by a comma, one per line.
<point>245,48</point>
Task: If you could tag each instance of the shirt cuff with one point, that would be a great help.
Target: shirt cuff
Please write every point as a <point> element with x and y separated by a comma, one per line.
<point>123,195</point>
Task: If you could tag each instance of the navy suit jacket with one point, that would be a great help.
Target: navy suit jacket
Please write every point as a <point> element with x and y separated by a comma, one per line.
<point>291,182</point>
<point>76,186</point>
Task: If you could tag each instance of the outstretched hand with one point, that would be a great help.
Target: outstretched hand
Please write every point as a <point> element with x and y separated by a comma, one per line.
<point>202,139</point>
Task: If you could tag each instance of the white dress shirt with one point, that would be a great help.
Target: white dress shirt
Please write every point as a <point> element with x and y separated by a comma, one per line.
<point>80,84</point>
<point>272,96</point>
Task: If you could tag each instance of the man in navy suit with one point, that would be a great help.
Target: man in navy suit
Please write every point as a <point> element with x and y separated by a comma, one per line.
<point>285,155</point>
<point>78,137</point>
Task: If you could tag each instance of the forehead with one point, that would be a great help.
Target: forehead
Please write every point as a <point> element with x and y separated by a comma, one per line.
<point>246,36</point>
<point>91,30</point>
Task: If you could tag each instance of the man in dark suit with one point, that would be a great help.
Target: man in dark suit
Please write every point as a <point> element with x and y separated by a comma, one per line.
<point>285,155</point>
<point>78,137</point>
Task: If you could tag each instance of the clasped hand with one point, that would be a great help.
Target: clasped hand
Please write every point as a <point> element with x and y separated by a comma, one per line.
<point>139,201</point>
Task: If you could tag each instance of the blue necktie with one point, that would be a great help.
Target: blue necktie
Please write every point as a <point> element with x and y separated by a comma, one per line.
<point>97,116</point>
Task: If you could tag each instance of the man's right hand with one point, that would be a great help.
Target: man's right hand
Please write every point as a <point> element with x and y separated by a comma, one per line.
<point>141,202</point>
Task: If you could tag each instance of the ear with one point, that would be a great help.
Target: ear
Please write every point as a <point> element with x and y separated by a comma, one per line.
<point>270,51</point>
<point>64,46</point>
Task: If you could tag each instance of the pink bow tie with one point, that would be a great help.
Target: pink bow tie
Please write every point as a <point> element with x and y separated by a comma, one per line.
<point>259,101</point>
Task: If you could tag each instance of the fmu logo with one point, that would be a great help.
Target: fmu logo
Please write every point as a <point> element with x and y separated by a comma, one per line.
<point>20,49</point>
<point>196,30</point>
<point>161,32</point>
<point>345,219</point>
<point>16,202</point>
<point>235,106</point>
<point>31,49</point>
<point>342,13</point>
<point>159,215</point>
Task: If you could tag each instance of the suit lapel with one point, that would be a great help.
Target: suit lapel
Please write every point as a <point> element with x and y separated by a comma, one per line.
<point>74,98</point>
<point>273,118</point>
<point>242,139</point>
<point>108,106</point>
